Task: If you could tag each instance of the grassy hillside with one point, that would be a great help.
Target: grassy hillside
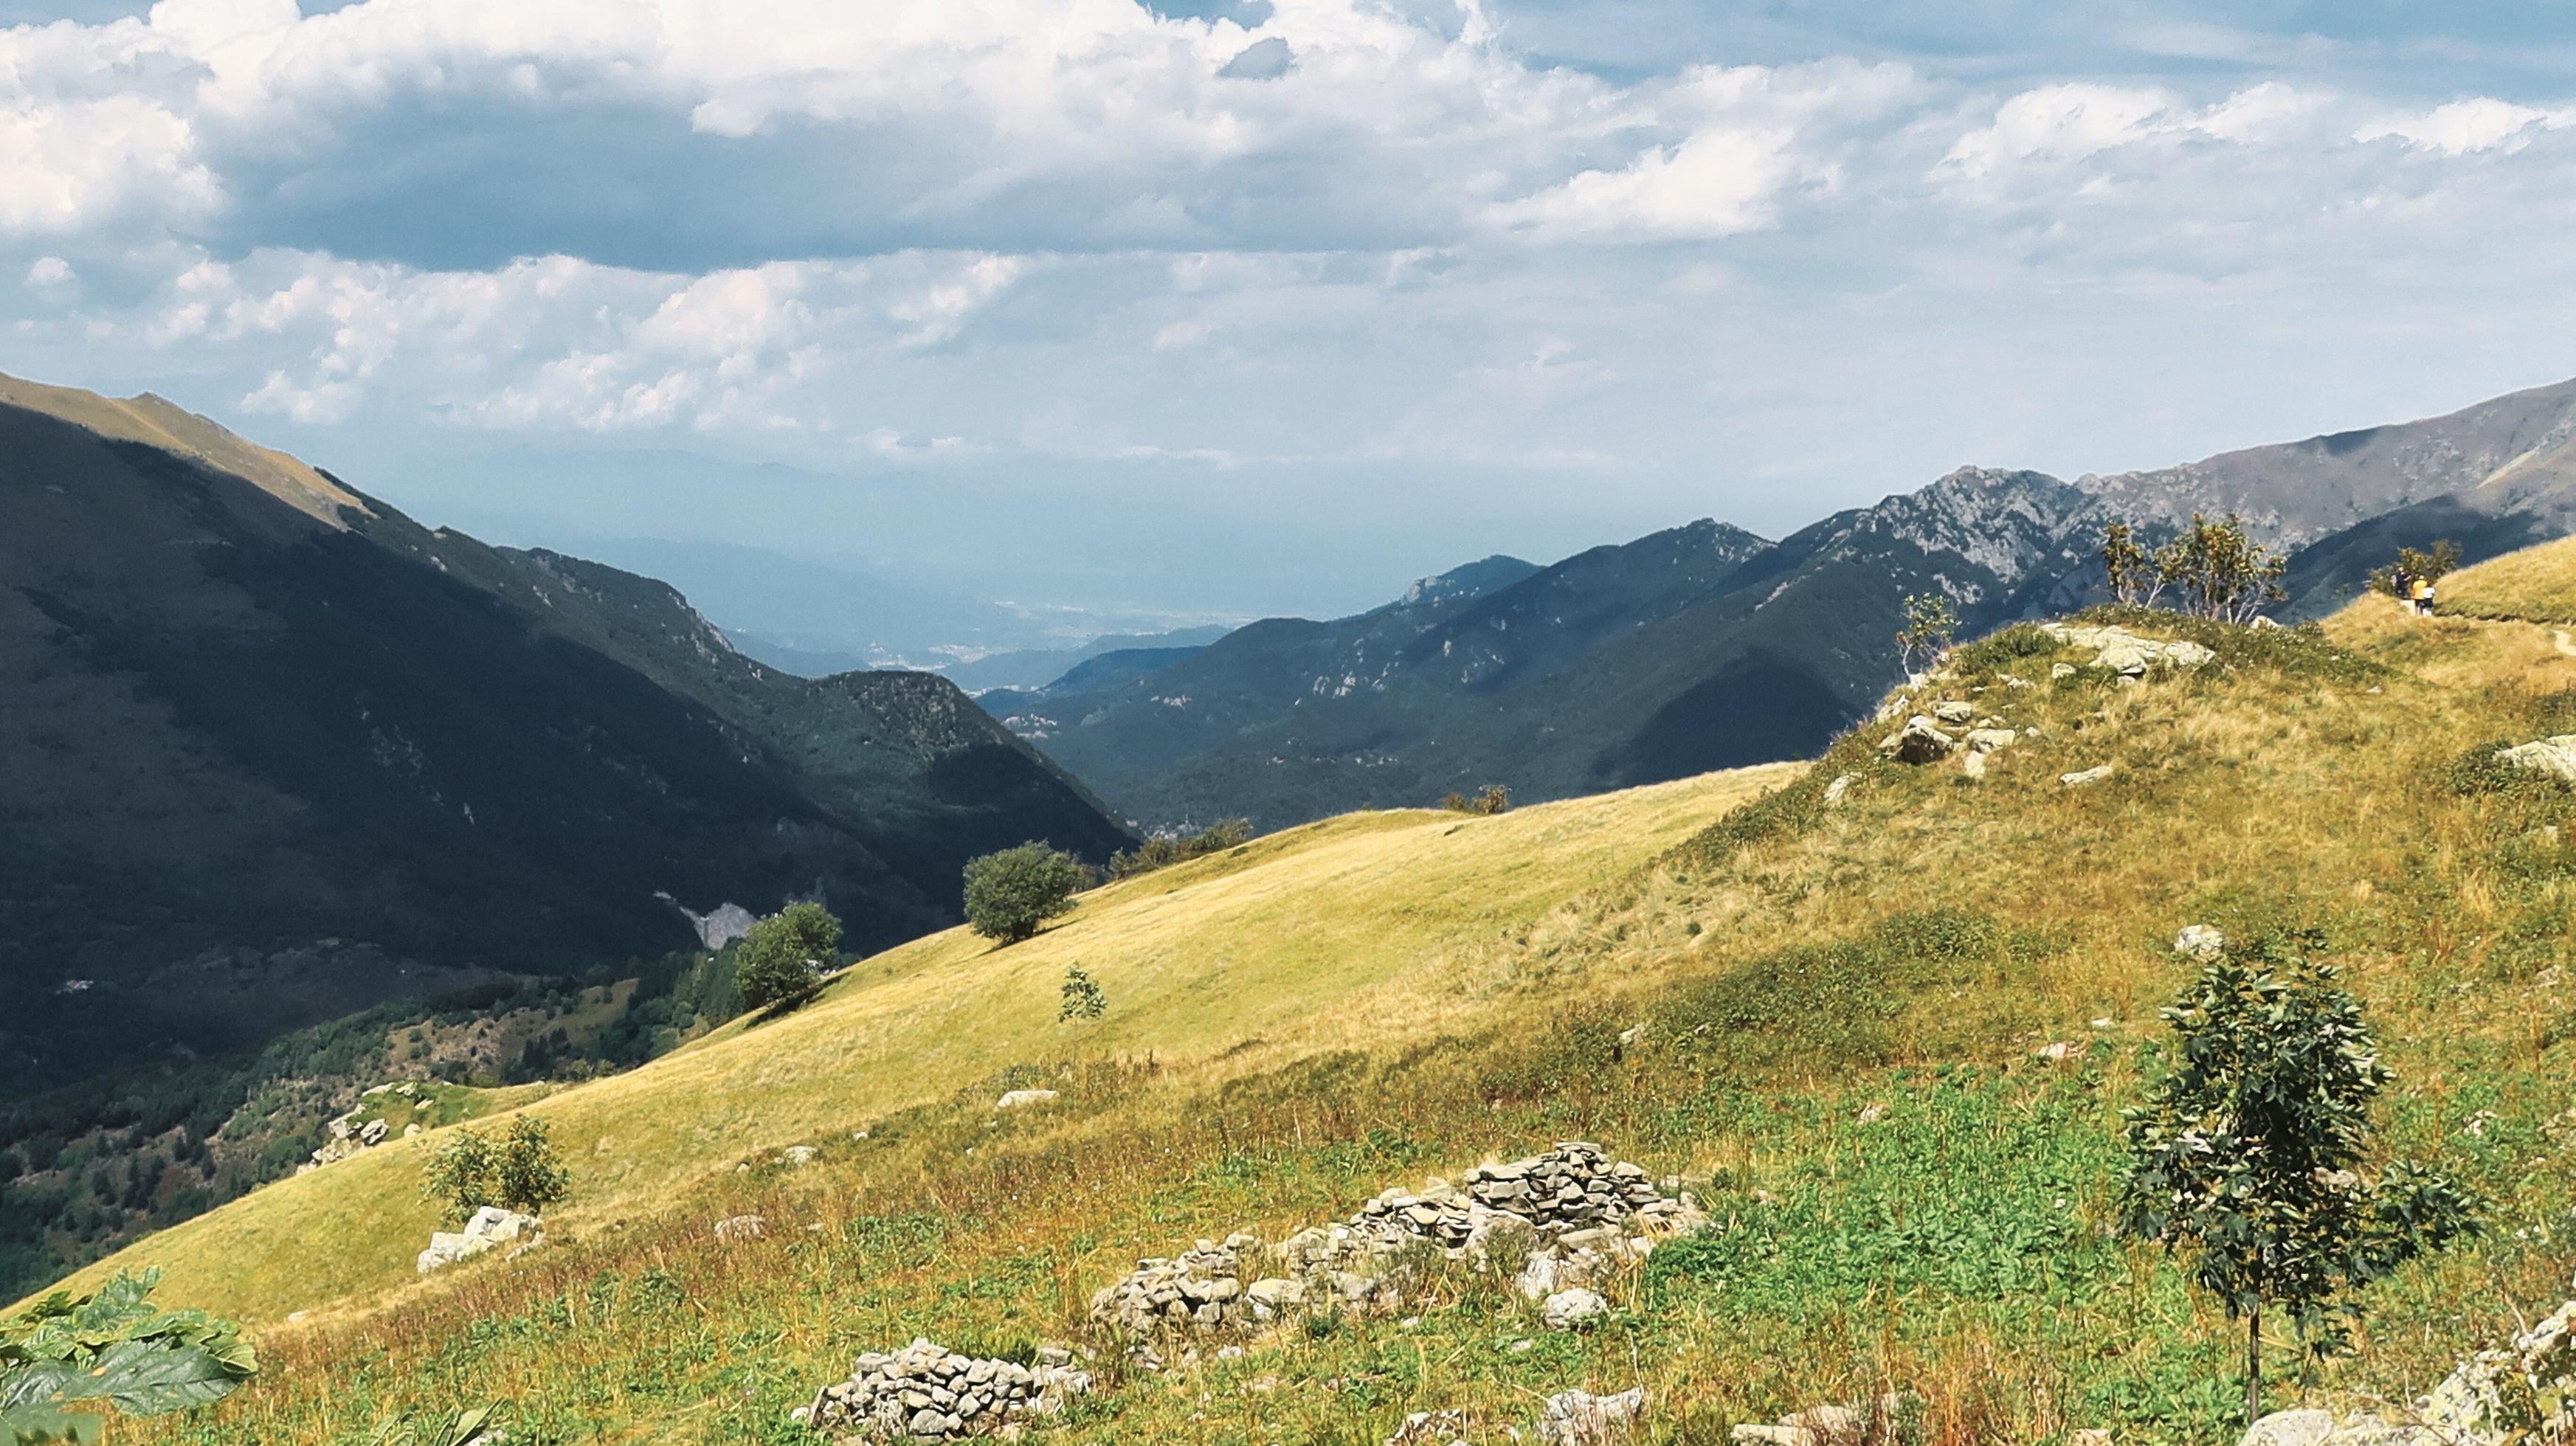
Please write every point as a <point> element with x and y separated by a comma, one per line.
<point>1356,933</point>
<point>1828,1012</point>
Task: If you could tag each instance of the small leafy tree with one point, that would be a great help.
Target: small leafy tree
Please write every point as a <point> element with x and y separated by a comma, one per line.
<point>779,962</point>
<point>1931,624</point>
<point>530,1173</point>
<point>462,1174</point>
<point>1492,799</point>
<point>2216,571</point>
<point>66,1359</point>
<point>1083,997</point>
<point>2411,563</point>
<point>2250,1152</point>
<point>2130,570</point>
<point>1010,893</point>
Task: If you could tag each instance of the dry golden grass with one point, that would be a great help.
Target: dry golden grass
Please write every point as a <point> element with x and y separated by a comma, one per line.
<point>156,422</point>
<point>1363,932</point>
<point>1380,998</point>
<point>2535,585</point>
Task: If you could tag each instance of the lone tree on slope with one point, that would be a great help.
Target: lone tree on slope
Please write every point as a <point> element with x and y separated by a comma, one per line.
<point>1931,624</point>
<point>780,959</point>
<point>1010,893</point>
<point>2249,1153</point>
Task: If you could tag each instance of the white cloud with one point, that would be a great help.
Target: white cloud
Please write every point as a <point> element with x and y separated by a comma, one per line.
<point>71,166</point>
<point>50,271</point>
<point>2462,127</point>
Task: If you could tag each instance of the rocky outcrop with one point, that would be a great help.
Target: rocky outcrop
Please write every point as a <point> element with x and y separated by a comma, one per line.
<point>927,1392</point>
<point>1919,741</point>
<point>1025,1099</point>
<point>488,1229</point>
<point>735,1229</point>
<point>2127,654</point>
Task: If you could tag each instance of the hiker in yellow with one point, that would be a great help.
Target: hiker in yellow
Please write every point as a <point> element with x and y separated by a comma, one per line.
<point>2422,591</point>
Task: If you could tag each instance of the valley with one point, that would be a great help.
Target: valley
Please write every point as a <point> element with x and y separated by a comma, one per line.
<point>1877,1017</point>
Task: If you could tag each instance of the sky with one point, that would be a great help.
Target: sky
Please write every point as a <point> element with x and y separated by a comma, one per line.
<point>1230,307</point>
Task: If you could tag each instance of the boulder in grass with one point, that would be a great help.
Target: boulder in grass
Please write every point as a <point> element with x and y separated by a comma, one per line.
<point>1919,741</point>
<point>2553,757</point>
<point>487,1229</point>
<point>1579,1418</point>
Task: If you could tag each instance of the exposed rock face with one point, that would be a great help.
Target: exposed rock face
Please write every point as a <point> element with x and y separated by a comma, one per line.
<point>488,1229</point>
<point>928,1392</point>
<point>2085,776</point>
<point>2199,942</point>
<point>349,1137</point>
<point>734,1229</point>
<point>2555,757</point>
<point>1579,1418</point>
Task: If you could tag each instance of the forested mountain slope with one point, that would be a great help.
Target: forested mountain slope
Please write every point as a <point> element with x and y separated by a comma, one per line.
<point>275,752</point>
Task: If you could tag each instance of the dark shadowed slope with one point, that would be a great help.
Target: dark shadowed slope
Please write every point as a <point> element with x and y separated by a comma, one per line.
<point>273,751</point>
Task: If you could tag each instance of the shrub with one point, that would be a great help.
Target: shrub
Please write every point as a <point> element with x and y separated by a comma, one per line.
<point>1083,997</point>
<point>779,962</point>
<point>460,1173</point>
<point>2218,572</point>
<point>530,1174</point>
<point>65,1358</point>
<point>523,1172</point>
<point>1166,849</point>
<point>1010,893</point>
<point>2250,1151</point>
<point>1492,799</point>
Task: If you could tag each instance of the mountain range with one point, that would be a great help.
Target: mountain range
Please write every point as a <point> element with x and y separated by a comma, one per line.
<point>276,751</point>
<point>1706,647</point>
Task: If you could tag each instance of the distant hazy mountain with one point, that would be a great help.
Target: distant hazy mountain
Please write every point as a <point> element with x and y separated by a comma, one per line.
<point>816,618</point>
<point>1706,646</point>
<point>274,751</point>
<point>1042,667</point>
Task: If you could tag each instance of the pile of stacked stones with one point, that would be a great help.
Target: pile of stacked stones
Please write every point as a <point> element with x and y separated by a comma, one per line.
<point>1201,1288</point>
<point>927,1392</point>
<point>1574,1197</point>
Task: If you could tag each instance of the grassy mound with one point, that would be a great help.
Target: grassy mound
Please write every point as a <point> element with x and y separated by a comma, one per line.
<point>1823,991</point>
<point>2536,585</point>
